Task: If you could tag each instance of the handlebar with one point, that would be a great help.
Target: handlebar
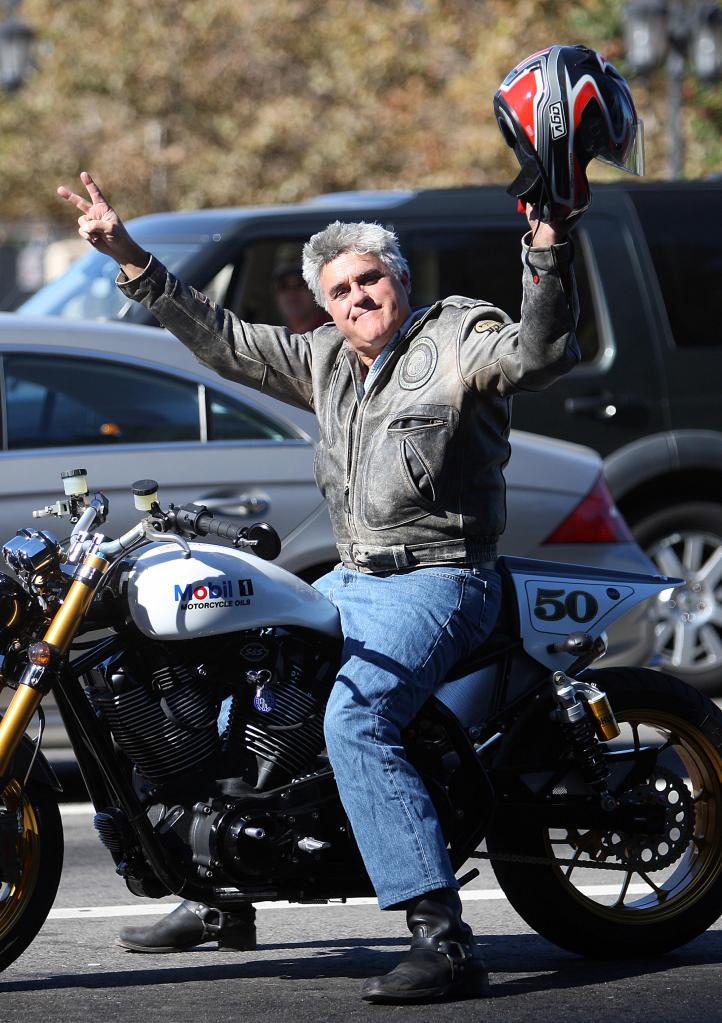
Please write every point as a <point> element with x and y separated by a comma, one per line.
<point>261,537</point>
<point>174,524</point>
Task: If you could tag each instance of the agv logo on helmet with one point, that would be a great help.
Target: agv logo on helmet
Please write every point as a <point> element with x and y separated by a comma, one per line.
<point>558,109</point>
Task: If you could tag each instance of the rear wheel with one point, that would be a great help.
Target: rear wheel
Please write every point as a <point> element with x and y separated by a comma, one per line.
<point>28,892</point>
<point>624,895</point>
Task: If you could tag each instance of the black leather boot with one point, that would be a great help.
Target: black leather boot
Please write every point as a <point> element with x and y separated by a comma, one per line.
<point>442,962</point>
<point>193,923</point>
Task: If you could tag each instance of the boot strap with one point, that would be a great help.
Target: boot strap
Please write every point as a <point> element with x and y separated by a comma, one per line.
<point>213,919</point>
<point>457,954</point>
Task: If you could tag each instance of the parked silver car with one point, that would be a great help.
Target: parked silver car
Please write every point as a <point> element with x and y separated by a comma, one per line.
<point>126,402</point>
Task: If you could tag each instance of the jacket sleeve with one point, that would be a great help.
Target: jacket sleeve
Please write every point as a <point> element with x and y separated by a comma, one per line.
<point>496,354</point>
<point>271,359</point>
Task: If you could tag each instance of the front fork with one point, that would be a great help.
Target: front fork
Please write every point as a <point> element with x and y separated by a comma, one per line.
<point>37,679</point>
<point>586,721</point>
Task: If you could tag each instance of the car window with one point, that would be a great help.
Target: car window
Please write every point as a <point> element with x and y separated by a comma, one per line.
<point>251,293</point>
<point>486,264</point>
<point>229,419</point>
<point>54,401</point>
<point>87,290</point>
<point>685,244</point>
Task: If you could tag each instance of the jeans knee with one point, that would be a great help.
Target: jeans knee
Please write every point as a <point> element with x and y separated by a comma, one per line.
<point>336,725</point>
<point>347,725</point>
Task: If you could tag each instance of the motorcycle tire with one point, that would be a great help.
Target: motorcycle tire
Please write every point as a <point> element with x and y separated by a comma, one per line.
<point>667,888</point>
<point>26,901</point>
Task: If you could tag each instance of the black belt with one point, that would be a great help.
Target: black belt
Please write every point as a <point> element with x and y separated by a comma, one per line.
<point>367,558</point>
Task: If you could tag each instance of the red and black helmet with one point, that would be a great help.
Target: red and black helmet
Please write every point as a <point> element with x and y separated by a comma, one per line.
<point>559,109</point>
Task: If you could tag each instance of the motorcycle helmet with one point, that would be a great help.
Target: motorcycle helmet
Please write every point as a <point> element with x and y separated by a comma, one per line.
<point>559,109</point>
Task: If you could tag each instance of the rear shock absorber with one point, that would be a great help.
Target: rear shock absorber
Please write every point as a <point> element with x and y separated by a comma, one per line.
<point>583,738</point>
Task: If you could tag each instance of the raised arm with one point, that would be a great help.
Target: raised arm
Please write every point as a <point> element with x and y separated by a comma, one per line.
<point>269,358</point>
<point>495,353</point>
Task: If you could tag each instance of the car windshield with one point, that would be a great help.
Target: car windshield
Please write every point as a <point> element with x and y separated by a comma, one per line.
<point>87,289</point>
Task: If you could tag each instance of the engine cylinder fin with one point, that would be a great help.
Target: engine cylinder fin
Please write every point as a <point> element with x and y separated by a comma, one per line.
<point>158,744</point>
<point>291,751</point>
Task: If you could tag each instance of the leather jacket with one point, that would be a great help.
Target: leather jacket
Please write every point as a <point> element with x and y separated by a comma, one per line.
<point>412,470</point>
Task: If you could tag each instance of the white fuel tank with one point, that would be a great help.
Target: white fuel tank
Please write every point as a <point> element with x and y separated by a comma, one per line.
<point>218,590</point>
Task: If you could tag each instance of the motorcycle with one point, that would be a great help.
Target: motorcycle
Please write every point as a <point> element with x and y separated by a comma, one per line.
<point>595,793</point>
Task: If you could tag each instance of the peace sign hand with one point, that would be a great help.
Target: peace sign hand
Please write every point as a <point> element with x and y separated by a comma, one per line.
<point>102,227</point>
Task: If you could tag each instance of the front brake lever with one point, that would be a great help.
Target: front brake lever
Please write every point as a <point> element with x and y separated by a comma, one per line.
<point>154,534</point>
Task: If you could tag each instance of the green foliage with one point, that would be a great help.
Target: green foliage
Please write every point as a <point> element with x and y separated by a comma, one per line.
<point>184,104</point>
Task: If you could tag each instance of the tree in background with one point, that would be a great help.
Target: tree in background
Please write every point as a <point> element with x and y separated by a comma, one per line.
<point>184,104</point>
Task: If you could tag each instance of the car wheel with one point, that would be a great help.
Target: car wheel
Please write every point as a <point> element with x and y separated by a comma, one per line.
<point>685,540</point>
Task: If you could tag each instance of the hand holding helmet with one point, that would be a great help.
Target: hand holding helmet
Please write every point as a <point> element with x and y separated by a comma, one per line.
<point>558,109</point>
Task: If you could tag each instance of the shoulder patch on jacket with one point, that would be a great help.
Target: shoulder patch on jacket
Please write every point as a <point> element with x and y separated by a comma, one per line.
<point>483,325</point>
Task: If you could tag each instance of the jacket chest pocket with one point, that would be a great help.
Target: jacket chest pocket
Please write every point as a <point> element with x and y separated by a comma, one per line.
<point>403,477</point>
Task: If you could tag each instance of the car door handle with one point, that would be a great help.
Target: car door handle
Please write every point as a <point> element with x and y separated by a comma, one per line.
<point>244,506</point>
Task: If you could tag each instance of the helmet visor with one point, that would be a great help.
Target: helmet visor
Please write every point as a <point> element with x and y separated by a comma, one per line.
<point>633,160</point>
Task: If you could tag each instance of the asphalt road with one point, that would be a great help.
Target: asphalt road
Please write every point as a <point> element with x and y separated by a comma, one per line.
<point>312,959</point>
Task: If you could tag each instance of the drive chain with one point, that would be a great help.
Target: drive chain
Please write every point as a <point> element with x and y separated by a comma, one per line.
<point>544,861</point>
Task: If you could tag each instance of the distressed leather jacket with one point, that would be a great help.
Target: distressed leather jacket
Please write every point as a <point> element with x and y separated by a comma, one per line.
<point>412,470</point>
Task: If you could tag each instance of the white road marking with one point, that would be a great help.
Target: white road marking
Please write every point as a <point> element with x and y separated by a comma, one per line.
<point>475,895</point>
<point>159,909</point>
<point>77,809</point>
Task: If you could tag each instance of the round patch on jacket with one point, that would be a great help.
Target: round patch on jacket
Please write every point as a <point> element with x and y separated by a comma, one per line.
<point>418,364</point>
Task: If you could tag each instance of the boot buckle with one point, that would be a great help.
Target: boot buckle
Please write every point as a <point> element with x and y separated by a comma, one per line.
<point>457,954</point>
<point>210,926</point>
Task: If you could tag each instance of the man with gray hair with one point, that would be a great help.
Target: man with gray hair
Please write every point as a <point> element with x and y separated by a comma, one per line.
<point>413,409</point>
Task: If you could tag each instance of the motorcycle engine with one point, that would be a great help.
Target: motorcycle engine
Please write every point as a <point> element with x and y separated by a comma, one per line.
<point>161,703</point>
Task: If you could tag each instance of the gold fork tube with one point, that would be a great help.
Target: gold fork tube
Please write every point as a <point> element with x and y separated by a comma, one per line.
<point>65,624</point>
<point>15,722</point>
<point>58,635</point>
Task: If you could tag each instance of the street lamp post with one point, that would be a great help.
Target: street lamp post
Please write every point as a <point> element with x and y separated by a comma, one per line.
<point>669,32</point>
<point>16,39</point>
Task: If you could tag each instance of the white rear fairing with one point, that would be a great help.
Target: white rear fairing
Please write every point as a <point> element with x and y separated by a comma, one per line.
<point>219,590</point>
<point>555,600</point>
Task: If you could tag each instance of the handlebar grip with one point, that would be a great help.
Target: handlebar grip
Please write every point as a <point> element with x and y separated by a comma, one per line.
<point>199,521</point>
<point>207,525</point>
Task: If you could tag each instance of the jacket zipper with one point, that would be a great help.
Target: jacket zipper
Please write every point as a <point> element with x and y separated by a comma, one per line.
<point>358,406</point>
<point>349,462</point>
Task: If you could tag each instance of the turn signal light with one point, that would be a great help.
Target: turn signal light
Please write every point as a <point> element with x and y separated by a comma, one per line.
<point>596,519</point>
<point>40,654</point>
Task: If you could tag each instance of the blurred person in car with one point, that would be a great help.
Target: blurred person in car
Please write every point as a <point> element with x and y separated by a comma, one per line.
<point>414,410</point>
<point>295,302</point>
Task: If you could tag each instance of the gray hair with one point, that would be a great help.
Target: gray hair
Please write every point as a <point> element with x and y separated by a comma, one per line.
<point>362,238</point>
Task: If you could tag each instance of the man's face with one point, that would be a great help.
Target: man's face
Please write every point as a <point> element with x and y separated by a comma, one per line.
<point>367,302</point>
<point>294,300</point>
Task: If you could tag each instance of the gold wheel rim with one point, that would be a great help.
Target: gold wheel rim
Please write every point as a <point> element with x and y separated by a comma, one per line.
<point>698,868</point>
<point>14,896</point>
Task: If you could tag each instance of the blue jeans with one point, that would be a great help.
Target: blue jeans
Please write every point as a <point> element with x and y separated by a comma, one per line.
<point>402,634</point>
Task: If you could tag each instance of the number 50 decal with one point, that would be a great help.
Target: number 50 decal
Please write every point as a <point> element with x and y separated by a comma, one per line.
<point>553,605</point>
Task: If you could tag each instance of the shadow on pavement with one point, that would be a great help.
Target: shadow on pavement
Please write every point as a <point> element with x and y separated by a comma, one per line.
<point>541,966</point>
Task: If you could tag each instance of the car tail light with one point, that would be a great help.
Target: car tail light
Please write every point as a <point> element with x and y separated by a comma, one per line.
<point>596,519</point>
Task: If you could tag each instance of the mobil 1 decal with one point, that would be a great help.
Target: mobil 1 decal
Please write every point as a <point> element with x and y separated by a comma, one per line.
<point>564,605</point>
<point>213,593</point>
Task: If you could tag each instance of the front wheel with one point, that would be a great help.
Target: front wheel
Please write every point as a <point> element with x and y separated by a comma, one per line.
<point>28,892</point>
<point>624,895</point>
